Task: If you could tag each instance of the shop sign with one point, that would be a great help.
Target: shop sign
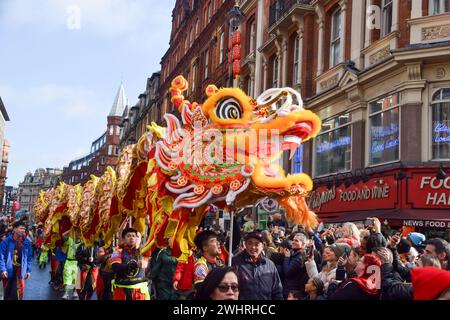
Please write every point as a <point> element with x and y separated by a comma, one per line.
<point>378,193</point>
<point>428,192</point>
<point>427,223</point>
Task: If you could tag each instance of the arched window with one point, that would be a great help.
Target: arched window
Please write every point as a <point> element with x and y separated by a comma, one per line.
<point>440,115</point>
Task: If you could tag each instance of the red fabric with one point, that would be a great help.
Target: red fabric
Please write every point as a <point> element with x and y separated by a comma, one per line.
<point>429,282</point>
<point>119,294</point>
<point>100,288</point>
<point>368,282</point>
<point>184,274</point>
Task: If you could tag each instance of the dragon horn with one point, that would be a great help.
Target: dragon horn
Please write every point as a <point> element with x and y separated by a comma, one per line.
<point>178,86</point>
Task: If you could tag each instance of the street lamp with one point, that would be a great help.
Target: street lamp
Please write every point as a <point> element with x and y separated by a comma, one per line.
<point>235,18</point>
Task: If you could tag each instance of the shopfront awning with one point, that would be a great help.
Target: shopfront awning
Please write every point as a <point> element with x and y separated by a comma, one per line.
<point>399,214</point>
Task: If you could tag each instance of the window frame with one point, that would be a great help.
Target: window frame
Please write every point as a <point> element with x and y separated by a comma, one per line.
<point>296,61</point>
<point>314,146</point>
<point>442,4</point>
<point>221,47</point>
<point>333,41</point>
<point>206,65</point>
<point>275,67</point>
<point>368,126</point>
<point>385,4</point>
<point>431,126</point>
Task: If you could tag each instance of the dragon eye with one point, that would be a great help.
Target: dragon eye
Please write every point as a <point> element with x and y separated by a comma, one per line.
<point>229,108</point>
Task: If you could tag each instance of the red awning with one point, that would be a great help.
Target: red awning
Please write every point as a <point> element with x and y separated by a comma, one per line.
<point>400,214</point>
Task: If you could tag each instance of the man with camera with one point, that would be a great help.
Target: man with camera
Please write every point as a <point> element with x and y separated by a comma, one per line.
<point>129,267</point>
<point>294,270</point>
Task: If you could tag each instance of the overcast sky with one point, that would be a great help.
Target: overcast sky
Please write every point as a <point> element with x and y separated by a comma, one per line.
<point>61,64</point>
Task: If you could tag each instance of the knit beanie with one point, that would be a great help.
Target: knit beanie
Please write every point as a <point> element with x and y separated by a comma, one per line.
<point>416,238</point>
<point>429,282</point>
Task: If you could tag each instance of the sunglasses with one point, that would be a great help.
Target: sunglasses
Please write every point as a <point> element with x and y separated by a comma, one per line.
<point>224,288</point>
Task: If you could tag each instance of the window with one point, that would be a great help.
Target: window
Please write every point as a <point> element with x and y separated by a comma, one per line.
<point>209,12</point>
<point>335,53</point>
<point>206,63</point>
<point>194,77</point>
<point>196,28</point>
<point>439,6</point>
<point>384,133</point>
<point>250,86</point>
<point>111,130</point>
<point>387,18</point>
<point>252,44</point>
<point>275,68</point>
<point>186,44</point>
<point>296,76</point>
<point>222,47</point>
<point>333,146</point>
<point>440,109</point>
<point>110,151</point>
<point>191,37</point>
<point>103,160</point>
<point>297,161</point>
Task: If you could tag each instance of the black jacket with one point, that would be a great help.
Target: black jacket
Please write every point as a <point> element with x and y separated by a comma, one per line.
<point>393,286</point>
<point>349,290</point>
<point>294,272</point>
<point>399,267</point>
<point>258,281</point>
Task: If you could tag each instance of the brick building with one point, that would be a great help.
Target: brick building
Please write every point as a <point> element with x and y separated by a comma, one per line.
<point>104,150</point>
<point>376,71</point>
<point>198,49</point>
<point>29,188</point>
<point>145,111</point>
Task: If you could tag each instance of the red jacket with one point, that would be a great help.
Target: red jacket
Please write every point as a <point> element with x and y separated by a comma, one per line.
<point>184,274</point>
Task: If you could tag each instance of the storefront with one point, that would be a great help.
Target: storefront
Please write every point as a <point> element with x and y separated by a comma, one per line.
<point>414,197</point>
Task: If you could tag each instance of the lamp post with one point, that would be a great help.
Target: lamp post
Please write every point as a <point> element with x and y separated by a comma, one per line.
<point>235,18</point>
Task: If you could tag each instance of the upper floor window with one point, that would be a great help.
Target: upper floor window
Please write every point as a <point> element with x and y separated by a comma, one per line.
<point>333,146</point>
<point>384,130</point>
<point>196,28</point>
<point>439,6</point>
<point>194,77</point>
<point>296,75</point>
<point>387,18</point>
<point>336,35</point>
<point>221,47</point>
<point>206,63</point>
<point>252,39</point>
<point>275,69</point>
<point>440,110</point>
<point>209,12</point>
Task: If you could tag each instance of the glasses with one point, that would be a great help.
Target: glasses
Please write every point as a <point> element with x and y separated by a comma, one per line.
<point>224,288</point>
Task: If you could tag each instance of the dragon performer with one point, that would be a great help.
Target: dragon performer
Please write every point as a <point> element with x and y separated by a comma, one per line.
<point>226,152</point>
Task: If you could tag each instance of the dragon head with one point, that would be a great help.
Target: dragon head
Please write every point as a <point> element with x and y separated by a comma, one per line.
<point>229,148</point>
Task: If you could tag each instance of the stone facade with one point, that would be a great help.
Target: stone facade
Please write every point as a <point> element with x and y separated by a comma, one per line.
<point>29,188</point>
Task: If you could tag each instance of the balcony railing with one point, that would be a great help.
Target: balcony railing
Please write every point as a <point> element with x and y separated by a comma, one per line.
<point>279,9</point>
